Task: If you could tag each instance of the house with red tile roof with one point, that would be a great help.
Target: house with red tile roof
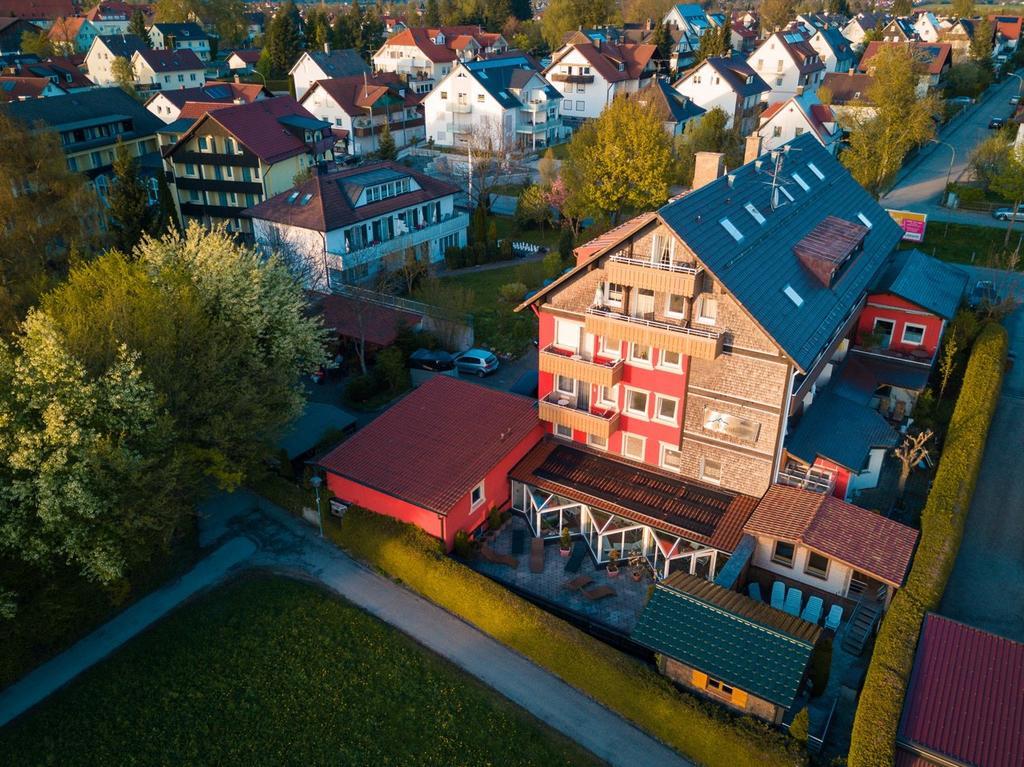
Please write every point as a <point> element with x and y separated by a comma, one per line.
<point>964,703</point>
<point>1007,34</point>
<point>358,224</point>
<point>358,108</point>
<point>72,34</point>
<point>590,73</point>
<point>935,58</point>
<point>423,55</point>
<point>393,465</point>
<point>167,104</point>
<point>243,59</point>
<point>112,18</point>
<point>43,11</point>
<point>789,64</point>
<point>168,69</point>
<point>14,88</point>
<point>793,117</point>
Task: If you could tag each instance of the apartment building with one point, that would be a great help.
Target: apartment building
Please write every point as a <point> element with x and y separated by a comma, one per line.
<point>789,64</point>
<point>223,158</point>
<point>423,55</point>
<point>348,227</point>
<point>187,36</point>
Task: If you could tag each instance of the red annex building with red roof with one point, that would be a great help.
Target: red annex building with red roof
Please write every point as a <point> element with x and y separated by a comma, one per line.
<point>439,459</point>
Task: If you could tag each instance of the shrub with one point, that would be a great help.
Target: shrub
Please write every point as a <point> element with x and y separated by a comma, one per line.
<point>702,731</point>
<point>390,369</point>
<point>552,264</point>
<point>463,548</point>
<point>493,518</point>
<point>942,524</point>
<point>361,388</point>
<point>821,662</point>
<point>799,728</point>
<point>512,292</point>
<point>566,539</point>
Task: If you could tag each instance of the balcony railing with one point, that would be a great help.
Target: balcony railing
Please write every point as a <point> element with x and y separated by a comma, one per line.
<point>449,224</point>
<point>536,106</point>
<point>526,127</point>
<point>459,107</point>
<point>562,77</point>
<point>598,371</point>
<point>658,275</point>
<point>646,331</point>
<point>560,410</point>
<point>813,481</point>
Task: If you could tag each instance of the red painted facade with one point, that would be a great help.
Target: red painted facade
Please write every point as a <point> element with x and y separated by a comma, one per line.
<point>885,306</point>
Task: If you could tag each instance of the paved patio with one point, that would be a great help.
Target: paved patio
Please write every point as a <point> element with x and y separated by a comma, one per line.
<point>618,612</point>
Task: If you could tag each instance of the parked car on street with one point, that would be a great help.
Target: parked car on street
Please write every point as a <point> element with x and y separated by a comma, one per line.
<point>984,292</point>
<point>1005,214</point>
<point>1014,100</point>
<point>478,362</point>
<point>960,101</point>
<point>435,360</point>
<point>996,123</point>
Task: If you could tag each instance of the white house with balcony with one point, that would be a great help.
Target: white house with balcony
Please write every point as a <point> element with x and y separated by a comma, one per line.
<point>504,101</point>
<point>352,226</point>
<point>424,55</point>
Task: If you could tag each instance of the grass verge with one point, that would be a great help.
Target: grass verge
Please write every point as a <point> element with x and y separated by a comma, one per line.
<point>966,243</point>
<point>271,671</point>
<point>942,525</point>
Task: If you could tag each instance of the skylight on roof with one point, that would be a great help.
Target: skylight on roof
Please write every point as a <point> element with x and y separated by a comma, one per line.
<point>793,296</point>
<point>814,169</point>
<point>731,229</point>
<point>865,220</point>
<point>803,184</point>
<point>753,211</point>
<point>292,197</point>
<point>482,75</point>
<point>786,192</point>
<point>305,199</point>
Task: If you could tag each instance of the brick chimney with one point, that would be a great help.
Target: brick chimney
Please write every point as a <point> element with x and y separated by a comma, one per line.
<point>752,149</point>
<point>707,167</point>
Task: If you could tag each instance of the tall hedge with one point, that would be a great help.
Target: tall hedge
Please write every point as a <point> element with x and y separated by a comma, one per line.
<point>699,730</point>
<point>942,526</point>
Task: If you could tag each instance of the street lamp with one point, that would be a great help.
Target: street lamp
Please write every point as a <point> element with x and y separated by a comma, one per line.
<point>315,481</point>
<point>952,160</point>
<point>1019,80</point>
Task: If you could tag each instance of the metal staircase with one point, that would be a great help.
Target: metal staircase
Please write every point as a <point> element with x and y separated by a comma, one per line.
<point>866,614</point>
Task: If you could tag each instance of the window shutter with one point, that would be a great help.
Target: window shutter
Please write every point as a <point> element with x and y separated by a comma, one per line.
<point>739,698</point>
<point>699,679</point>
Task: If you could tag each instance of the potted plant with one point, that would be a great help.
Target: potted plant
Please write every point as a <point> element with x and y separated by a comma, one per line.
<point>636,566</point>
<point>613,563</point>
<point>565,545</point>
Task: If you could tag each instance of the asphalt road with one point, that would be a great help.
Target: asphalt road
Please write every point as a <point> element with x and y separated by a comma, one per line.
<point>986,588</point>
<point>920,184</point>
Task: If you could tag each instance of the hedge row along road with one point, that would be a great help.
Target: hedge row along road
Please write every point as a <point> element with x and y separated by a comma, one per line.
<point>942,525</point>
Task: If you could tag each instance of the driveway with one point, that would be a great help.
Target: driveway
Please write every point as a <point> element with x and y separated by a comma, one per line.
<point>919,186</point>
<point>986,588</point>
<point>255,534</point>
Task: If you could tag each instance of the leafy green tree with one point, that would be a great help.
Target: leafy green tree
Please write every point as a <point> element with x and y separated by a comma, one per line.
<point>226,17</point>
<point>432,15</point>
<point>621,161</point>
<point>982,43</point>
<point>968,78</point>
<point>563,16</point>
<point>124,75</point>
<point>661,41</point>
<point>963,9</point>
<point>137,26</point>
<point>709,134</point>
<point>532,208</point>
<point>521,9</point>
<point>166,215</point>
<point>390,367</point>
<point>987,160</point>
<point>714,42</point>
<point>841,7</point>
<point>346,30</point>
<point>879,142</point>
<point>128,201</point>
<point>902,8</point>
<point>800,725</point>
<point>547,168</point>
<point>284,40</point>
<point>775,14</point>
<point>386,149</point>
<point>1009,183</point>
<point>318,27</point>
<point>37,43</point>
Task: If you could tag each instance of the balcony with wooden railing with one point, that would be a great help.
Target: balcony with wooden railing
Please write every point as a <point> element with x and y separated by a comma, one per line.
<point>647,331</point>
<point>661,275</point>
<point>594,370</point>
<point>561,410</point>
<point>565,77</point>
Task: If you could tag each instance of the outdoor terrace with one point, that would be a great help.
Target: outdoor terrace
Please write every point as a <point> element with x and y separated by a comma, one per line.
<point>595,370</point>
<point>693,342</point>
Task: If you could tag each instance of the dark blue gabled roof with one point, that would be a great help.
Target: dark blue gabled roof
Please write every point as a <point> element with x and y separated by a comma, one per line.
<point>503,74</point>
<point>758,268</point>
<point>841,430</point>
<point>931,284</point>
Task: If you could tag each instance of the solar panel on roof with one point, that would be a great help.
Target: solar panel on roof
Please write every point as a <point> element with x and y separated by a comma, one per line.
<point>794,37</point>
<point>218,92</point>
<point>9,86</point>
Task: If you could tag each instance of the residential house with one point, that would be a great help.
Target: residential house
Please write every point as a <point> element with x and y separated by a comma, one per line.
<point>789,64</point>
<point>811,22</point>
<point>502,101</point>
<point>325,65</point>
<point>11,31</point>
<point>727,647</point>
<point>224,158</point>
<point>728,84</point>
<point>243,60</point>
<point>926,27</point>
<point>167,104</point>
<point>672,108</point>
<point>899,30</point>
<point>962,705</point>
<point>686,339</point>
<point>256,25</point>
<point>848,94</point>
<point>788,119</point>
<point>424,55</point>
<point>13,88</point>
<point>936,59</point>
<point>858,27</point>
<point>393,467</point>
<point>167,69</point>
<point>959,36</point>
<point>689,21</point>
<point>99,60</point>
<point>828,548</point>
<point>350,226</point>
<point>590,74</point>
<point>90,125</point>
<point>112,18</point>
<point>1007,34</point>
<point>69,36</point>
<point>393,25</point>
<point>62,72</point>
<point>742,39</point>
<point>186,36</point>
<point>835,50</point>
<point>41,12</point>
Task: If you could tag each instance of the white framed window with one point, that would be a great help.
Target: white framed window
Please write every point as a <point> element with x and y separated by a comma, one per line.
<point>640,354</point>
<point>783,553</point>
<point>669,360</point>
<point>913,335</point>
<point>565,384</point>
<point>567,334</point>
<point>711,470</point>
<point>563,431</point>
<point>634,446</point>
<point>613,294</point>
<point>607,396</point>
<point>477,496</point>
<point>816,565</point>
<point>675,306</point>
<point>567,104</point>
<point>776,131</point>
<point>707,313</point>
<point>581,106</point>
<point>601,443</point>
<point>610,348</point>
<point>666,409</point>
<point>635,403</point>
<point>671,457</point>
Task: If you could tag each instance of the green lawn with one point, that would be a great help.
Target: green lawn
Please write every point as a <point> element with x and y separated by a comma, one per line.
<point>268,671</point>
<point>966,244</point>
<point>506,227</point>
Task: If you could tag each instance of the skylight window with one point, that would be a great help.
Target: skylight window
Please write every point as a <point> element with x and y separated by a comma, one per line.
<point>306,198</point>
<point>731,229</point>
<point>793,296</point>
<point>814,169</point>
<point>803,184</point>
<point>482,75</point>
<point>292,197</point>
<point>753,211</point>
<point>865,220</point>
<point>786,192</point>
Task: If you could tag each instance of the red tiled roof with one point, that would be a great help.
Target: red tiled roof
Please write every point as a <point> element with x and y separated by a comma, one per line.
<point>1008,26</point>
<point>966,695</point>
<point>868,541</point>
<point>37,9</point>
<point>65,30</point>
<point>376,323</point>
<point>437,443</point>
<point>12,88</point>
<point>612,236</point>
<point>935,55</point>
<point>57,67</point>
<point>248,55</point>
<point>701,513</point>
<point>181,60</point>
<point>423,38</point>
<point>606,58</point>
<point>214,92</point>
<point>773,109</point>
<point>356,95</point>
